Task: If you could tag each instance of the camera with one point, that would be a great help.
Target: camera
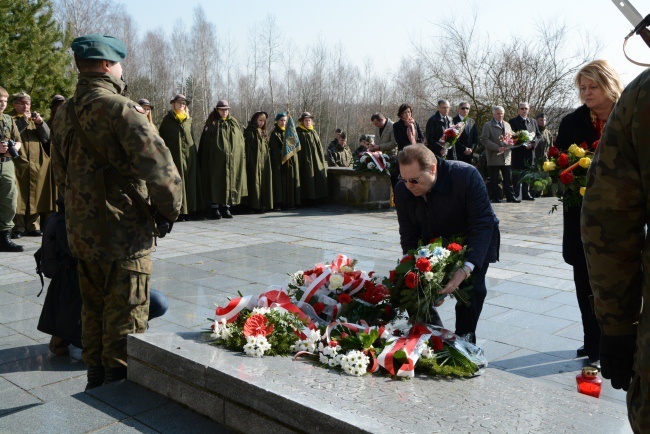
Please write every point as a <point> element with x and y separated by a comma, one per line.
<point>11,148</point>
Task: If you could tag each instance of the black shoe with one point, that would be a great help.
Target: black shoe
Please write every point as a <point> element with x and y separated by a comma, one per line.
<point>15,235</point>
<point>215,214</point>
<point>581,352</point>
<point>594,363</point>
<point>528,198</point>
<point>496,201</point>
<point>95,377</point>
<point>225,211</point>
<point>35,233</point>
<point>6,245</point>
<point>513,201</point>
<point>114,374</point>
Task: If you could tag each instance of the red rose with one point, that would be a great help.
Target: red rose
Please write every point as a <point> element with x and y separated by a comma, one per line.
<point>411,280</point>
<point>563,160</point>
<point>387,310</point>
<point>566,178</point>
<point>406,258</point>
<point>255,325</point>
<point>454,247</point>
<point>392,276</point>
<point>553,152</point>
<point>595,144</point>
<point>345,299</point>
<point>344,335</point>
<point>584,145</point>
<point>436,343</point>
<point>369,285</point>
<point>319,307</point>
<point>423,264</point>
<point>333,343</point>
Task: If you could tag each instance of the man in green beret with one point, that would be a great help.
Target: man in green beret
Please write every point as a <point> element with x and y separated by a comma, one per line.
<point>110,237</point>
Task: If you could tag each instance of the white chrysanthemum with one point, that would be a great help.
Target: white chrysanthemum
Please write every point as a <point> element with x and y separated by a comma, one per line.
<point>261,310</point>
<point>336,281</point>
<point>256,346</point>
<point>298,278</point>
<point>428,275</point>
<point>363,158</point>
<point>332,362</point>
<point>323,359</point>
<point>355,363</point>
<point>427,353</point>
<point>371,166</point>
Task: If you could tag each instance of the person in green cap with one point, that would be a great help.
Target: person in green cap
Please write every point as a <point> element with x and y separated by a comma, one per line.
<point>8,190</point>
<point>313,168</point>
<point>286,175</point>
<point>108,235</point>
<point>176,131</point>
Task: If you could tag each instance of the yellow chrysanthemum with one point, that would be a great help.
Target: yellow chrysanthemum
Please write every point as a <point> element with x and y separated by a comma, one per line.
<point>582,191</point>
<point>549,166</point>
<point>585,162</point>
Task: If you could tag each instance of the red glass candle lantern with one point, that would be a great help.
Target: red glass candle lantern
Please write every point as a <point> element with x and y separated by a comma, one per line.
<point>588,382</point>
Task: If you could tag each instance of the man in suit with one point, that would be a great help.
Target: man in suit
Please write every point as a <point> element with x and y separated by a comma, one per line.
<point>385,141</point>
<point>469,138</point>
<point>442,199</point>
<point>436,125</point>
<point>523,156</point>
<point>498,155</point>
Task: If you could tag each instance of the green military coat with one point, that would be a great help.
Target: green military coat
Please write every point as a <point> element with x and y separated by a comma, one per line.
<point>313,168</point>
<point>102,222</point>
<point>258,169</point>
<point>36,189</point>
<point>286,177</point>
<point>179,139</point>
<point>223,161</point>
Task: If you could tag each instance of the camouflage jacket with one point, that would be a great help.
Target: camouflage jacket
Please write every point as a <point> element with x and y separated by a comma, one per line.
<point>102,222</point>
<point>9,129</point>
<point>614,215</point>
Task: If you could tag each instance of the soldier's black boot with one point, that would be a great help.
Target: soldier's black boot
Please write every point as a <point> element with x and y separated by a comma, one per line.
<point>225,212</point>
<point>95,377</point>
<point>6,245</point>
<point>114,374</point>
<point>214,213</point>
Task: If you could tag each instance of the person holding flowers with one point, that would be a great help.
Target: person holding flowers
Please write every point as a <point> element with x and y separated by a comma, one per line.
<point>436,198</point>
<point>599,87</point>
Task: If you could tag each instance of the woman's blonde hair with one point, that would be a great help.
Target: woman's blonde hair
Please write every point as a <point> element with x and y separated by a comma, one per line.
<point>605,77</point>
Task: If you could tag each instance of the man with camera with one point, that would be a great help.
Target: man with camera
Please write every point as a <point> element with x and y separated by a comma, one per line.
<point>36,192</point>
<point>102,139</point>
<point>9,146</point>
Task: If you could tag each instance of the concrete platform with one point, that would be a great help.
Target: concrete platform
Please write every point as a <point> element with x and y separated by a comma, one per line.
<point>276,394</point>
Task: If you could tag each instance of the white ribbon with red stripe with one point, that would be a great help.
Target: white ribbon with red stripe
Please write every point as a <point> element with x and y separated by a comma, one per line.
<point>413,344</point>
<point>378,159</point>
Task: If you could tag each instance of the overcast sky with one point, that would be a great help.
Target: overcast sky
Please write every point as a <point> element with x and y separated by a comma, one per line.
<point>383,30</point>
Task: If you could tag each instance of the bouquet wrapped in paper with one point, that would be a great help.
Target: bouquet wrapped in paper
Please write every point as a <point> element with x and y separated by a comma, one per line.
<point>450,135</point>
<point>373,161</point>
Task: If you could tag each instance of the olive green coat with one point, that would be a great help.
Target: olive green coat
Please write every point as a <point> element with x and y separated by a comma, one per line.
<point>313,168</point>
<point>36,189</point>
<point>102,222</point>
<point>223,161</point>
<point>258,169</point>
<point>179,139</point>
<point>286,177</point>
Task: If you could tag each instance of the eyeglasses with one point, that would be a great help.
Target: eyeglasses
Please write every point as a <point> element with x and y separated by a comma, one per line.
<point>524,108</point>
<point>464,108</point>
<point>413,181</point>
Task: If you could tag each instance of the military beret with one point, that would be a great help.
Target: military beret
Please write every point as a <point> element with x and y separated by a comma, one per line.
<point>540,115</point>
<point>56,99</point>
<point>20,95</point>
<point>100,47</point>
<point>363,137</point>
<point>280,116</point>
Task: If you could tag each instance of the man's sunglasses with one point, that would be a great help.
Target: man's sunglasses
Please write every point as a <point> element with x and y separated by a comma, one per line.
<point>464,108</point>
<point>412,181</point>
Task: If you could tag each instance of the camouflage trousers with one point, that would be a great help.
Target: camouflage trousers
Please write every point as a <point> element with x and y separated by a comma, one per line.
<point>115,297</point>
<point>8,195</point>
<point>638,405</point>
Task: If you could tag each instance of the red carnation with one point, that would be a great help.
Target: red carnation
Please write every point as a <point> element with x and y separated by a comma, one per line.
<point>333,343</point>
<point>423,265</point>
<point>319,307</point>
<point>584,145</point>
<point>411,280</point>
<point>345,299</point>
<point>563,160</point>
<point>406,258</point>
<point>566,178</point>
<point>595,144</point>
<point>392,276</point>
<point>255,325</point>
<point>436,343</point>
<point>553,152</point>
<point>454,247</point>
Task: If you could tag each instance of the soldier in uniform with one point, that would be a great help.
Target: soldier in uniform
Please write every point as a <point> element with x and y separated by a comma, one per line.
<point>36,192</point>
<point>8,190</point>
<point>106,233</point>
<point>614,219</point>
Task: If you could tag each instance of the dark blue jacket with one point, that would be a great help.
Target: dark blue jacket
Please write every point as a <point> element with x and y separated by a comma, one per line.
<point>457,205</point>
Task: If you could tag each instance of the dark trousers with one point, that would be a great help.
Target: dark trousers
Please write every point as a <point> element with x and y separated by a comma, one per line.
<point>493,186</point>
<point>467,316</point>
<point>525,190</point>
<point>589,322</point>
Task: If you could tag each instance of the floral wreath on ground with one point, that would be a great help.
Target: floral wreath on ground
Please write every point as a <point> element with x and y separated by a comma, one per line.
<point>345,319</point>
<point>564,174</point>
<point>375,162</point>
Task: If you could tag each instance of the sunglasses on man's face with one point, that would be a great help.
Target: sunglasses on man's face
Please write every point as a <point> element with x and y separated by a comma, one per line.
<point>464,108</point>
<point>413,181</point>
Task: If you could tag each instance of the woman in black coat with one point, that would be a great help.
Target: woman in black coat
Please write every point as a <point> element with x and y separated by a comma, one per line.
<point>406,132</point>
<point>600,87</point>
